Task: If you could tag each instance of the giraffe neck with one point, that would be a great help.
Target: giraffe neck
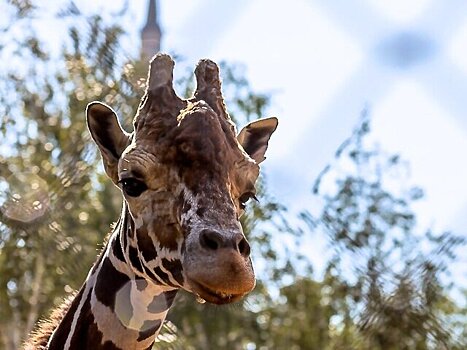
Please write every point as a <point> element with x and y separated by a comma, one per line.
<point>115,308</point>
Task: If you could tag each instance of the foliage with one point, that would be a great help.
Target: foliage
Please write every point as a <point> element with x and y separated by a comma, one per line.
<point>382,289</point>
<point>54,212</point>
<point>55,208</point>
<point>394,287</point>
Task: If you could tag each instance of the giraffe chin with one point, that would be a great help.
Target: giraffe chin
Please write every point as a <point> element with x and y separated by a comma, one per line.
<point>213,296</point>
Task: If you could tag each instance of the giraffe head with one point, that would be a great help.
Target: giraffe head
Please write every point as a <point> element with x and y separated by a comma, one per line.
<point>185,176</point>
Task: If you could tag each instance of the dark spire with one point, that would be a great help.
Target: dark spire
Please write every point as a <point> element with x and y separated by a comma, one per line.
<point>151,33</point>
<point>151,21</point>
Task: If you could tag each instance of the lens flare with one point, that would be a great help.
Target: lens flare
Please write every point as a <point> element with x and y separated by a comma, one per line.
<point>26,197</point>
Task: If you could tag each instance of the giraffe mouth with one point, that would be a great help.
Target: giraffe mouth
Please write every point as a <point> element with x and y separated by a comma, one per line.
<point>212,296</point>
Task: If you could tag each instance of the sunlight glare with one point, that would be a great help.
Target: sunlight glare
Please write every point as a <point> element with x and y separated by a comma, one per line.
<point>401,11</point>
<point>457,48</point>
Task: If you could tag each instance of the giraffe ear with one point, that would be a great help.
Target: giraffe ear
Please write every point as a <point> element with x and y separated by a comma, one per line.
<point>255,136</point>
<point>108,134</point>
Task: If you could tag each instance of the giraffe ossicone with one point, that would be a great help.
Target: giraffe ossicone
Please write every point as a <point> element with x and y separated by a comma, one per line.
<point>185,176</point>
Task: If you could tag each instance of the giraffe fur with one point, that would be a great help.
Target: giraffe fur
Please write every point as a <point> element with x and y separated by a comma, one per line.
<point>185,176</point>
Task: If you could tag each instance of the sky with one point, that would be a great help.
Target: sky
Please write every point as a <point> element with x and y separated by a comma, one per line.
<point>324,61</point>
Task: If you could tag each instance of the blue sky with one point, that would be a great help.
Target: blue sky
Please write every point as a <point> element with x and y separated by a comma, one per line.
<point>327,60</point>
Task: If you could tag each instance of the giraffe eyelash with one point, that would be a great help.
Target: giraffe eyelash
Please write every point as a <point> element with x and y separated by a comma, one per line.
<point>132,187</point>
<point>245,197</point>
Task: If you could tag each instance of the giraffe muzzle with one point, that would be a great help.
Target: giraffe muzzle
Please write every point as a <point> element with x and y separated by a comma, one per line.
<point>218,267</point>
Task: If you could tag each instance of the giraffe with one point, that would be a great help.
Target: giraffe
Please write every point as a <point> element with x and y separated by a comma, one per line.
<point>186,177</point>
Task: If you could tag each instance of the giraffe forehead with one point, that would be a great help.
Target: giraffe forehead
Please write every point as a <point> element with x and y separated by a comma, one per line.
<point>199,142</point>
<point>190,168</point>
<point>139,159</point>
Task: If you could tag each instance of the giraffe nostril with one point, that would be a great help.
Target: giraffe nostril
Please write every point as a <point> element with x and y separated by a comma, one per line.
<point>210,240</point>
<point>244,247</point>
<point>213,240</point>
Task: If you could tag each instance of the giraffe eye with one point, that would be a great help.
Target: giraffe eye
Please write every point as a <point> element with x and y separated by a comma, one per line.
<point>133,187</point>
<point>244,198</point>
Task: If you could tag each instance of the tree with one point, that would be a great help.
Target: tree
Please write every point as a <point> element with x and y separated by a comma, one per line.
<point>394,287</point>
<point>56,207</point>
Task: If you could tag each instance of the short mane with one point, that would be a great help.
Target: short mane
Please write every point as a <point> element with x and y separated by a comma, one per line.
<point>40,335</point>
